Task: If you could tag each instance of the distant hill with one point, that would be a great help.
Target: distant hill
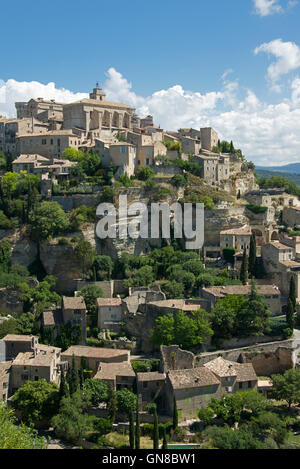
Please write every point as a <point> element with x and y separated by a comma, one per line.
<point>267,173</point>
<point>293,168</point>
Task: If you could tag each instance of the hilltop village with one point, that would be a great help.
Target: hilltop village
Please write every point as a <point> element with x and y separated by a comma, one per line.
<point>143,341</point>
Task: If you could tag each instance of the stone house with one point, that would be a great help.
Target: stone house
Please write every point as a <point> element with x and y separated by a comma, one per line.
<point>37,164</point>
<point>41,109</point>
<point>43,363</point>
<point>123,154</point>
<point>13,128</point>
<point>15,344</point>
<point>234,377</point>
<point>146,154</point>
<point>193,389</point>
<point>5,380</point>
<point>280,262</point>
<point>149,387</point>
<point>94,356</point>
<point>271,294</point>
<point>109,313</point>
<point>190,145</point>
<point>146,122</point>
<point>49,144</point>
<point>118,375</point>
<point>291,216</point>
<point>236,238</point>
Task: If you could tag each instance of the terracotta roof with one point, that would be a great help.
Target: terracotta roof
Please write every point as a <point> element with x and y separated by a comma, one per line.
<point>4,368</point>
<point>224,368</point>
<point>244,230</point>
<point>30,159</point>
<point>280,246</point>
<point>290,263</point>
<point>109,301</point>
<point>75,302</point>
<point>67,132</point>
<point>112,370</point>
<point>192,378</point>
<point>221,367</point>
<point>19,338</point>
<point>52,318</point>
<point>94,352</point>
<point>222,291</point>
<point>96,102</point>
<point>30,359</point>
<point>151,376</point>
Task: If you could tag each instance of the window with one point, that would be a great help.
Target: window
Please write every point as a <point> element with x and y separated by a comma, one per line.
<point>240,385</point>
<point>145,385</point>
<point>123,149</point>
<point>44,141</point>
<point>51,141</point>
<point>249,384</point>
<point>36,378</point>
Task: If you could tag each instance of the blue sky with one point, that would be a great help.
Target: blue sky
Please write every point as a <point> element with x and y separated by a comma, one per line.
<point>188,63</point>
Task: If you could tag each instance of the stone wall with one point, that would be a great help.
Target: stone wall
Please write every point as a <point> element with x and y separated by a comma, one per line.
<point>10,301</point>
<point>173,358</point>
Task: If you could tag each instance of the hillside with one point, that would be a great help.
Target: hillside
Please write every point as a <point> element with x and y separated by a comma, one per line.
<point>293,168</point>
<point>269,173</point>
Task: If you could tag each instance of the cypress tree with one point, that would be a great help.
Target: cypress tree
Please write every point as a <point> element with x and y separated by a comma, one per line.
<point>290,315</point>
<point>165,443</point>
<point>155,432</point>
<point>175,415</point>
<point>111,403</point>
<point>231,147</point>
<point>292,295</point>
<point>63,387</point>
<point>244,269</point>
<point>137,427</point>
<point>252,255</point>
<point>131,430</point>
<point>74,377</point>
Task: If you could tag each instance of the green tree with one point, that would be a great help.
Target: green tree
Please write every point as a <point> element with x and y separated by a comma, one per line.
<point>175,414</point>
<point>290,315</point>
<point>254,317</point>
<point>97,389</point>
<point>36,400</point>
<point>165,443</point>
<point>14,436</point>
<point>244,269</point>
<point>144,173</point>
<point>63,388</point>
<point>187,330</point>
<point>287,386</point>
<point>90,293</point>
<point>111,403</point>
<point>131,430</point>
<point>104,267</point>
<point>5,255</point>
<point>142,277</point>
<point>137,426</point>
<point>224,316</point>
<point>126,401</point>
<point>293,294</point>
<point>72,422</point>
<point>155,432</point>
<point>85,255</point>
<point>252,256</point>
<point>73,377</point>
<point>48,220</point>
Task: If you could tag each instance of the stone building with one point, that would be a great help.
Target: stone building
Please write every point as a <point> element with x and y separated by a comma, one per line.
<point>118,375</point>
<point>38,164</point>
<point>94,356</point>
<point>49,144</point>
<point>11,129</point>
<point>146,122</point>
<point>74,311</point>
<point>215,168</point>
<point>146,154</point>
<point>280,263</point>
<point>271,294</point>
<point>109,313</point>
<point>209,138</point>
<point>97,113</point>
<point>123,155</point>
<point>40,109</point>
<point>190,145</point>
<point>291,216</point>
<point>15,344</point>
<point>236,238</point>
<point>43,363</point>
<point>5,380</point>
<point>149,386</point>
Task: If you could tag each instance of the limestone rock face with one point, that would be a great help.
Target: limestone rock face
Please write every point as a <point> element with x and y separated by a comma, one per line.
<point>60,261</point>
<point>10,301</point>
<point>24,250</point>
<point>217,220</point>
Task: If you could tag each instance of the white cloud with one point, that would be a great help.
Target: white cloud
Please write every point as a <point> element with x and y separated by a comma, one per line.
<point>287,56</point>
<point>12,91</point>
<point>267,7</point>
<point>267,133</point>
<point>271,7</point>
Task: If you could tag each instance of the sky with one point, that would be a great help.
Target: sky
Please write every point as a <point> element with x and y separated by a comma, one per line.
<point>233,65</point>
